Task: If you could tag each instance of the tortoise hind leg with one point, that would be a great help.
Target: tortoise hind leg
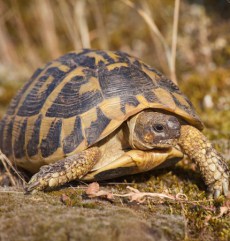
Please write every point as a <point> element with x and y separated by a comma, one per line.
<point>65,170</point>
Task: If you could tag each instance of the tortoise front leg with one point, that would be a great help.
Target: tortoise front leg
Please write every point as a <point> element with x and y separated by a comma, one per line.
<point>214,169</point>
<point>65,170</point>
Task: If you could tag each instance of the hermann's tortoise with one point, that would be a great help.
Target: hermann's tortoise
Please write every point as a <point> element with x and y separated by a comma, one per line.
<point>101,114</point>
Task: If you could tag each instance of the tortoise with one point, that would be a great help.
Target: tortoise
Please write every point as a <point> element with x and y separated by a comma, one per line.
<point>96,115</point>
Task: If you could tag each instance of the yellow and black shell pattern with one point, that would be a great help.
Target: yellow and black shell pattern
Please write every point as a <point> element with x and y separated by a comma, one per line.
<point>80,98</point>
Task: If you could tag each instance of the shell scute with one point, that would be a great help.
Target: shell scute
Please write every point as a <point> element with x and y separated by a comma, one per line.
<point>19,140</point>
<point>129,101</point>
<point>75,138</point>
<point>151,97</point>
<point>33,142</point>
<point>52,141</point>
<point>40,92</point>
<point>16,100</point>
<point>70,102</point>
<point>124,81</point>
<point>94,131</point>
<point>6,132</point>
<point>168,85</point>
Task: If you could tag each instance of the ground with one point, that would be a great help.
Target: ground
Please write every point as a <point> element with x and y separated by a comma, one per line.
<point>70,214</point>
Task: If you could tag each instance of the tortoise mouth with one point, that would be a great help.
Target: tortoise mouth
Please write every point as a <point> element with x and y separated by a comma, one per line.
<point>161,145</point>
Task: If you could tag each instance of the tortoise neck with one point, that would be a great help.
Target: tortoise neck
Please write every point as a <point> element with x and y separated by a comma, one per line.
<point>129,131</point>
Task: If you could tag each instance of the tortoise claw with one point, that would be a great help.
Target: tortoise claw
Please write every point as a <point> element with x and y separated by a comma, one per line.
<point>219,187</point>
<point>39,181</point>
<point>225,188</point>
<point>31,187</point>
<point>216,194</point>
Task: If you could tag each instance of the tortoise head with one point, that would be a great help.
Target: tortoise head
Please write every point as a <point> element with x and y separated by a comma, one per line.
<point>149,129</point>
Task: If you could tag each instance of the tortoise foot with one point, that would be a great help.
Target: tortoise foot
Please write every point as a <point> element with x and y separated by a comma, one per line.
<point>214,169</point>
<point>217,188</point>
<point>63,171</point>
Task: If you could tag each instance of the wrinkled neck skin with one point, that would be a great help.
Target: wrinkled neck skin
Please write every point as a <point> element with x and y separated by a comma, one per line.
<point>132,136</point>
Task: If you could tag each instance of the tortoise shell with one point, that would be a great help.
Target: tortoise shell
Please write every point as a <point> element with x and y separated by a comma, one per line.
<point>80,98</point>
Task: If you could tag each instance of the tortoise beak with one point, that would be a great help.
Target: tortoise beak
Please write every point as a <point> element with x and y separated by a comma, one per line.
<point>135,161</point>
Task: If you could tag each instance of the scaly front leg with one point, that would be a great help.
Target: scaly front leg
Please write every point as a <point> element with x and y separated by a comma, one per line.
<point>211,164</point>
<point>65,170</point>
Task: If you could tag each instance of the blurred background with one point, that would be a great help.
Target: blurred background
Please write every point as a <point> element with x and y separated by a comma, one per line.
<point>36,31</point>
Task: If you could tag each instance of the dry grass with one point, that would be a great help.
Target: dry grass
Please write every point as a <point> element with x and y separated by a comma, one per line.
<point>170,54</point>
<point>16,179</point>
<point>41,30</point>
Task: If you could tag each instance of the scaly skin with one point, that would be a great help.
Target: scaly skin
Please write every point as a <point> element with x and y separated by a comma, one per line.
<point>65,170</point>
<point>211,164</point>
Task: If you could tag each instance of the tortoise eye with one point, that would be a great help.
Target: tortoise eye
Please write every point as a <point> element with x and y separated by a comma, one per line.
<point>158,128</point>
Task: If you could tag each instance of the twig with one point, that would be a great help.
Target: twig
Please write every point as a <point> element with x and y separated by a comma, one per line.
<point>80,13</point>
<point>5,162</point>
<point>7,191</point>
<point>93,190</point>
<point>101,28</point>
<point>135,195</point>
<point>170,54</point>
<point>120,183</point>
<point>7,48</point>
<point>174,41</point>
<point>151,24</point>
<point>159,48</point>
<point>30,53</point>
<point>70,26</point>
<point>138,196</point>
<point>48,34</point>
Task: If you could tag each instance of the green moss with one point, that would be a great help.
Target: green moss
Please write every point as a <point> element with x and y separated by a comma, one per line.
<point>217,86</point>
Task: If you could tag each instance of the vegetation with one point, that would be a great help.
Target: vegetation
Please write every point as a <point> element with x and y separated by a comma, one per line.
<point>34,32</point>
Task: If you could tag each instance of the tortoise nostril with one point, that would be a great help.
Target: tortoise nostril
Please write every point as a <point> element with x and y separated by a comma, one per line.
<point>173,123</point>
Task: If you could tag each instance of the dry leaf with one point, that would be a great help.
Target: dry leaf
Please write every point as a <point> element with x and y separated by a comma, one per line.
<point>134,195</point>
<point>66,200</point>
<point>140,197</point>
<point>207,219</point>
<point>223,210</point>
<point>93,190</point>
